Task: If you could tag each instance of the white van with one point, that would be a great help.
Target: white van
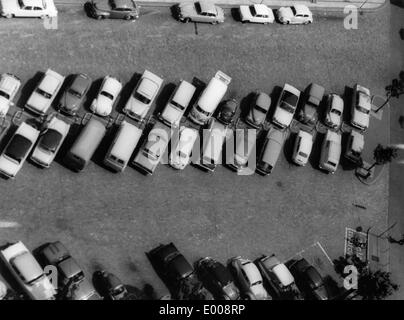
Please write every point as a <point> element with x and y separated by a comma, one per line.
<point>330,151</point>
<point>122,147</point>
<point>210,98</point>
<point>177,104</point>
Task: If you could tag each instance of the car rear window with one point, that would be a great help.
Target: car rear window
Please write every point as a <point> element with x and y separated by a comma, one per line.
<point>5,95</point>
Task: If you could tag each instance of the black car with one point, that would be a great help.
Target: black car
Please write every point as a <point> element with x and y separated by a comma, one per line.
<point>74,94</point>
<point>309,280</point>
<point>217,279</point>
<point>113,9</point>
<point>228,111</point>
<point>311,100</point>
<point>111,287</point>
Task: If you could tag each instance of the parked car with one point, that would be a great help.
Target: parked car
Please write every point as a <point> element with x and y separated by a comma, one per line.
<point>256,13</point>
<point>49,142</point>
<point>177,104</point>
<point>258,110</point>
<point>360,107</point>
<point>297,14</point>
<point>41,99</point>
<point>17,150</point>
<point>286,106</point>
<point>217,279</point>
<point>278,278</point>
<point>111,287</point>
<point>213,138</point>
<point>330,151</point>
<point>249,279</point>
<point>113,9</point>
<point>28,8</point>
<point>9,85</point>
<point>182,149</point>
<point>334,111</point>
<point>302,147</point>
<point>153,148</point>
<point>309,280</point>
<point>143,96</point>
<point>227,111</point>
<point>210,98</point>
<point>201,11</point>
<point>354,147</point>
<point>107,96</point>
<point>271,150</point>
<point>83,290</point>
<point>74,94</point>
<point>27,272</point>
<point>312,97</point>
<point>244,145</point>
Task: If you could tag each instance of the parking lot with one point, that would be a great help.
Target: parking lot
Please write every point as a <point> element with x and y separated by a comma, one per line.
<point>109,220</point>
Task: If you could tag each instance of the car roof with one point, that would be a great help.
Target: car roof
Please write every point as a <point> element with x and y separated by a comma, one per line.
<point>337,102</point>
<point>8,82</point>
<point>51,139</point>
<point>50,83</point>
<point>129,135</point>
<point>263,100</point>
<point>69,267</point>
<point>181,265</point>
<point>149,83</point>
<point>302,9</point>
<point>261,9</point>
<point>80,83</point>
<point>55,251</point>
<point>358,140</point>
<point>112,84</point>
<point>184,93</point>
<point>27,266</point>
<point>164,251</point>
<point>123,3</point>
<point>273,148</point>
<point>316,90</point>
<point>364,100</point>
<point>283,274</point>
<point>33,3</point>
<point>252,272</point>
<point>207,6</point>
<point>18,147</point>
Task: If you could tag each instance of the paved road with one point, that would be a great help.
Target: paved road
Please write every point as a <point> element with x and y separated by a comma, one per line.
<point>110,220</point>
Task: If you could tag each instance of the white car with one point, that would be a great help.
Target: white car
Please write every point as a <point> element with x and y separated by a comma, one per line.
<point>27,271</point>
<point>249,279</point>
<point>256,13</point>
<point>143,96</point>
<point>286,106</point>
<point>330,151</point>
<point>334,111</point>
<point>41,99</point>
<point>179,157</point>
<point>17,150</point>
<point>361,107</point>
<point>302,147</point>
<point>50,142</point>
<point>28,8</point>
<point>297,14</point>
<point>107,96</point>
<point>9,85</point>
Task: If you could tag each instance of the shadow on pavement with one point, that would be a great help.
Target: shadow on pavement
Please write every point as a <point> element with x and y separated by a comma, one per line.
<point>126,92</point>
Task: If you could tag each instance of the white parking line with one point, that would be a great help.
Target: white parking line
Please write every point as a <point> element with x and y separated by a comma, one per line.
<point>9,224</point>
<point>325,253</point>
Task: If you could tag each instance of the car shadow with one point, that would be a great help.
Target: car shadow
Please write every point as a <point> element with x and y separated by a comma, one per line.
<point>92,93</point>
<point>200,86</point>
<point>288,148</point>
<point>28,88</point>
<point>347,98</point>
<point>274,95</point>
<point>74,131</point>
<point>245,105</point>
<point>163,97</point>
<point>235,13</point>
<point>314,158</point>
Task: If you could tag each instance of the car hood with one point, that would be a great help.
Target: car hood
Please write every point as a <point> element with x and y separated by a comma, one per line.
<point>8,166</point>
<point>39,102</point>
<point>309,111</point>
<point>9,6</point>
<point>361,119</point>
<point>102,105</point>
<point>283,116</point>
<point>42,156</point>
<point>171,114</point>
<point>4,105</point>
<point>245,12</point>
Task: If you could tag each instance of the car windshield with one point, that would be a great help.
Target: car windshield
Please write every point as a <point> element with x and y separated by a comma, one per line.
<point>253,12</point>
<point>289,98</point>
<point>5,95</point>
<point>302,154</point>
<point>363,110</point>
<point>74,93</point>
<point>287,107</point>
<point>108,95</point>
<point>177,105</point>
<point>50,140</point>
<point>202,111</point>
<point>257,283</point>
<point>335,111</point>
<point>141,98</point>
<point>18,148</point>
<point>150,154</point>
<point>293,10</point>
<point>260,109</point>
<point>119,290</point>
<point>333,164</point>
<point>43,93</point>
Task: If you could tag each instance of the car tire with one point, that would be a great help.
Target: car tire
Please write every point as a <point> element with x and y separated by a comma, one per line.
<point>9,16</point>
<point>187,20</point>
<point>213,22</point>
<point>99,17</point>
<point>128,17</point>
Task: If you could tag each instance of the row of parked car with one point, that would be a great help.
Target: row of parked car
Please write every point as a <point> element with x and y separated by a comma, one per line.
<point>50,135</point>
<point>200,11</point>
<point>265,279</point>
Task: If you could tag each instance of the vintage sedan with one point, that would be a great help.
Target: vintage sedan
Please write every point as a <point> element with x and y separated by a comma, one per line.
<point>256,13</point>
<point>228,111</point>
<point>107,95</point>
<point>9,85</point>
<point>259,109</point>
<point>181,151</point>
<point>311,100</point>
<point>28,8</point>
<point>286,106</point>
<point>297,14</point>
<point>302,148</point>
<point>361,105</point>
<point>334,111</point>
<point>113,9</point>
<point>73,96</point>
<point>201,11</point>
<point>110,286</point>
<point>50,142</point>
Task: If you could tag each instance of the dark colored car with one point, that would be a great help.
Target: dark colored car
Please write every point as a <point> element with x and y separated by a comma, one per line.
<point>217,279</point>
<point>18,147</point>
<point>111,287</point>
<point>309,280</point>
<point>113,9</point>
<point>312,98</point>
<point>228,111</point>
<point>74,94</point>
<point>258,110</point>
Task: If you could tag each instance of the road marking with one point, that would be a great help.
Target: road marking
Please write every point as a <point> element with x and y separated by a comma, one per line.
<point>196,28</point>
<point>325,253</point>
<point>9,224</point>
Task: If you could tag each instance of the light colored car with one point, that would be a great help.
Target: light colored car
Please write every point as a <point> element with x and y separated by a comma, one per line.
<point>244,145</point>
<point>49,142</point>
<point>9,85</point>
<point>286,106</point>
<point>259,110</point>
<point>334,111</point>
<point>330,151</point>
<point>201,11</point>
<point>28,8</point>
<point>248,278</point>
<point>361,107</point>
<point>17,150</point>
<point>354,147</point>
<point>41,99</point>
<point>177,104</point>
<point>302,147</point>
<point>179,157</point>
<point>107,96</point>
<point>143,96</point>
<point>153,148</point>
<point>297,14</point>
<point>271,150</point>
<point>256,13</point>
<point>27,271</point>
